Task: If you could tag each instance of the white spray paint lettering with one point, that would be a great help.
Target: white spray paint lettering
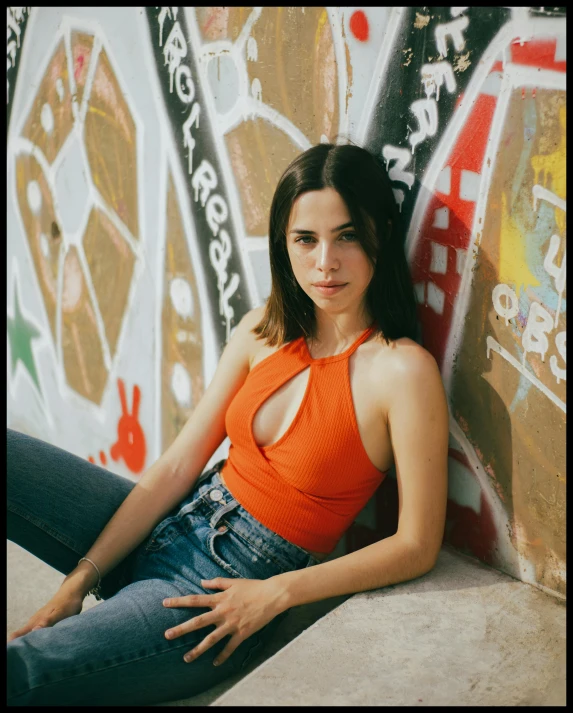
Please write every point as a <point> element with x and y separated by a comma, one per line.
<point>204,178</point>
<point>426,110</point>
<point>540,323</point>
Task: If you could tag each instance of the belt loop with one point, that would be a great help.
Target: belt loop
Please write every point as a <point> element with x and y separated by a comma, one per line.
<point>223,510</point>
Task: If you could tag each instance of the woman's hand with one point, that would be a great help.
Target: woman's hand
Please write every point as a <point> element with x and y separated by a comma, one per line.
<point>242,608</point>
<point>66,602</point>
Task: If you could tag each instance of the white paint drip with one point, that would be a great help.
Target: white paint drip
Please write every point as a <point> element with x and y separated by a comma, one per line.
<point>181,385</point>
<point>181,297</point>
<point>252,49</point>
<point>45,246</point>
<point>60,88</point>
<point>34,195</point>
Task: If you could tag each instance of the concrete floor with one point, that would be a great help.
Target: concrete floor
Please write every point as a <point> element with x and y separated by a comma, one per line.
<point>463,634</point>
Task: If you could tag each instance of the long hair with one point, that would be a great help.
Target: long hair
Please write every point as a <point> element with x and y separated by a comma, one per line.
<point>366,190</point>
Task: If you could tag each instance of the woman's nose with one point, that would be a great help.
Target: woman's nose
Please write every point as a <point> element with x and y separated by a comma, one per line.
<point>327,259</point>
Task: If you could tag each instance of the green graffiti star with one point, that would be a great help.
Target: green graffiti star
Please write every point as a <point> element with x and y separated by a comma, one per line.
<point>21,333</point>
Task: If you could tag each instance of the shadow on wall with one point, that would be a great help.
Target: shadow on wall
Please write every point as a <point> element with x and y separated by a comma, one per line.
<point>479,512</point>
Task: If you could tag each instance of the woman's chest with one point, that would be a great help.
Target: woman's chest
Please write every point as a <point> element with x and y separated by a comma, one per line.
<point>344,391</point>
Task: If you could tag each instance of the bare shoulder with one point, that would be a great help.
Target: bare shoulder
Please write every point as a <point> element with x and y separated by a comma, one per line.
<point>406,359</point>
<point>405,369</point>
<point>243,336</point>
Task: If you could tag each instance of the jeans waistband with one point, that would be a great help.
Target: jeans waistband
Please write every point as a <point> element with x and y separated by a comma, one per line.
<point>268,543</point>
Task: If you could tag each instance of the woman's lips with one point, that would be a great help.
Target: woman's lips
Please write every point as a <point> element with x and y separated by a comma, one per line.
<point>329,290</point>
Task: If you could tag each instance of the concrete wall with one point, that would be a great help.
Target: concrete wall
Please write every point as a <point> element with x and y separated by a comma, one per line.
<point>144,146</point>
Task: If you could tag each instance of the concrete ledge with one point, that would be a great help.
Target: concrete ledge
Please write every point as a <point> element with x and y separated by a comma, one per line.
<point>464,634</point>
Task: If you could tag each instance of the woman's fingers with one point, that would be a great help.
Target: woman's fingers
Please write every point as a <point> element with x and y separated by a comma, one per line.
<point>206,644</point>
<point>192,600</point>
<point>24,630</point>
<point>197,622</point>
<point>228,650</point>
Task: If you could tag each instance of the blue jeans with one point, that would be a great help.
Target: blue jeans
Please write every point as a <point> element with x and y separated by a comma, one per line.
<point>116,653</point>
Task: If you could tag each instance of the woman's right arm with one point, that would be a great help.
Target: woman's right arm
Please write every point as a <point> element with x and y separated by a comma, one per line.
<point>164,484</point>
<point>173,475</point>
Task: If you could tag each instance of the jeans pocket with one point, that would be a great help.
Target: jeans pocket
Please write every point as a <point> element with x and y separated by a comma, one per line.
<point>211,539</point>
<point>162,535</point>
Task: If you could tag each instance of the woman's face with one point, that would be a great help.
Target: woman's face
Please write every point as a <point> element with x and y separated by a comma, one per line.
<point>327,259</point>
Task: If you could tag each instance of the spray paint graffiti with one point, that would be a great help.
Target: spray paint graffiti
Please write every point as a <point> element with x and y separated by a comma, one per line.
<point>141,168</point>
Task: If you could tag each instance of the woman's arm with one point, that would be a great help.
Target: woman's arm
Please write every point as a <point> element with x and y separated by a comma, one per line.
<point>172,476</point>
<point>418,426</point>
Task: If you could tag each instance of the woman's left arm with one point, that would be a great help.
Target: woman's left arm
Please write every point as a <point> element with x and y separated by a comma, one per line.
<point>418,426</point>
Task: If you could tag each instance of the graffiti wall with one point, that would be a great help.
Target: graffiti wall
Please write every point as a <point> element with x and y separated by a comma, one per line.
<point>144,147</point>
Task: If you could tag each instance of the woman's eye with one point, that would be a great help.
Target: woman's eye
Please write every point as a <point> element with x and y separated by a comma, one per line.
<point>348,237</point>
<point>304,239</point>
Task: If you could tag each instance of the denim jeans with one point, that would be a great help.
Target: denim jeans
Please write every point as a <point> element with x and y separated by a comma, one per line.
<point>116,653</point>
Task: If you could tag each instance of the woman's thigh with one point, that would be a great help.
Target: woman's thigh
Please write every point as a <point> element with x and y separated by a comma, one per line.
<point>58,504</point>
<point>116,653</point>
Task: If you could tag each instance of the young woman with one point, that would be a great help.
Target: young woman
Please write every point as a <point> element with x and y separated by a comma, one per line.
<point>320,391</point>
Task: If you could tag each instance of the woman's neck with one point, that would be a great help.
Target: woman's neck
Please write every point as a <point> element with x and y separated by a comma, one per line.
<point>335,333</point>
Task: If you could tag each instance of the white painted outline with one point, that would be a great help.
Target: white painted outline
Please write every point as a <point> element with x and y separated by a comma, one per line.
<point>379,76</point>
<point>231,188</point>
<point>493,344</point>
<point>18,145</point>
<point>506,553</point>
<point>338,40</point>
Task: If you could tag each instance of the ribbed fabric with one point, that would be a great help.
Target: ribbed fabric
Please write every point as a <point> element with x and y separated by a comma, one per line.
<point>308,486</point>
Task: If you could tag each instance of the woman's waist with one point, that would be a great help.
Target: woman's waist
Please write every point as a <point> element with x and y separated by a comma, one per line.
<point>317,555</point>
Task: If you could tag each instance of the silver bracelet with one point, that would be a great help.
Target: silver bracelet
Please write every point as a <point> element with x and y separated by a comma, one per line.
<point>96,591</point>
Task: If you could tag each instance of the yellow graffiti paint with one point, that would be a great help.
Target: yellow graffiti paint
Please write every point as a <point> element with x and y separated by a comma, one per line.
<point>552,166</point>
<point>513,268</point>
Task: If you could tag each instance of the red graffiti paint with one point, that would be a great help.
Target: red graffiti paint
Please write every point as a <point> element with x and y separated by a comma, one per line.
<point>91,459</point>
<point>79,66</point>
<point>103,458</point>
<point>471,532</point>
<point>359,26</point>
<point>130,443</point>
<point>466,155</point>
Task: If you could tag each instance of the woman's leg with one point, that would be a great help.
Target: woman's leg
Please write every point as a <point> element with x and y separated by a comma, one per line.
<point>116,654</point>
<point>58,504</point>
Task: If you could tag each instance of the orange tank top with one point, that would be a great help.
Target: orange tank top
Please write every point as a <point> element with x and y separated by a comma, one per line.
<point>310,485</point>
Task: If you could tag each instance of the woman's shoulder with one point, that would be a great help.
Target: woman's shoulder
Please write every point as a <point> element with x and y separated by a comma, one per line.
<point>401,359</point>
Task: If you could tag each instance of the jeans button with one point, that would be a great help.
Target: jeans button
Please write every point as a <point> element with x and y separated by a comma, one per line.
<point>222,528</point>
<point>216,495</point>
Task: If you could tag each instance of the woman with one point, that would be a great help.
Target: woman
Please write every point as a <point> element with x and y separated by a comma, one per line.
<point>321,392</point>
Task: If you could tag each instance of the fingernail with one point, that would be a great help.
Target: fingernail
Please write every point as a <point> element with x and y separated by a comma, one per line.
<point>187,658</point>
<point>216,662</point>
<point>168,634</point>
<point>166,602</point>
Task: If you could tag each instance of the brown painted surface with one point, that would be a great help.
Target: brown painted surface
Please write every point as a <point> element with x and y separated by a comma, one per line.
<point>82,46</point>
<point>259,153</point>
<point>295,65</point>
<point>520,440</point>
<point>111,263</point>
<point>81,347</point>
<point>50,142</point>
<point>182,341</point>
<point>111,145</point>
<point>44,240</point>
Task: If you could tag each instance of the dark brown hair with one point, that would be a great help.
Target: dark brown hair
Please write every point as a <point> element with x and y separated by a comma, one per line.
<point>365,187</point>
